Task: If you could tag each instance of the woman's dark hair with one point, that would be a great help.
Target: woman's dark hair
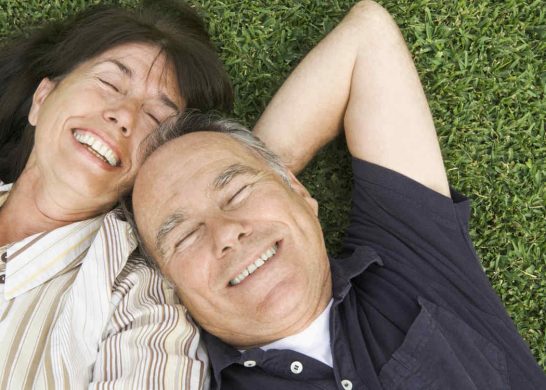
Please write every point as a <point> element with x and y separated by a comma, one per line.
<point>56,49</point>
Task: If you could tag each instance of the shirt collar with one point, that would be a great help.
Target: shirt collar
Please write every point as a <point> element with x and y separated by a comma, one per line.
<point>345,269</point>
<point>222,355</point>
<point>4,192</point>
<point>40,257</point>
<point>313,341</point>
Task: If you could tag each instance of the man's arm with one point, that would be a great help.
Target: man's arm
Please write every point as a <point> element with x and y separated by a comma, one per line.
<point>360,77</point>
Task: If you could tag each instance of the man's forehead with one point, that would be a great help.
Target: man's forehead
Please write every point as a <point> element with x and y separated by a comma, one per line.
<point>187,169</point>
<point>191,155</point>
<point>202,148</point>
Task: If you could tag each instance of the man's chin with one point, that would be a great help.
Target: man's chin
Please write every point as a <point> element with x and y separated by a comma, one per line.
<point>274,324</point>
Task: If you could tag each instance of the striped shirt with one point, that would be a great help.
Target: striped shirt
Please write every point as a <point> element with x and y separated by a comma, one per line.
<point>77,311</point>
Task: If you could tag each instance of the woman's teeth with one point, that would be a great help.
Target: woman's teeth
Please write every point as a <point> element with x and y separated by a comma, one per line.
<point>254,266</point>
<point>97,147</point>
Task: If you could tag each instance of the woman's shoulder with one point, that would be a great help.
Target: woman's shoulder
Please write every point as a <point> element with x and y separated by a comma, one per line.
<point>143,279</point>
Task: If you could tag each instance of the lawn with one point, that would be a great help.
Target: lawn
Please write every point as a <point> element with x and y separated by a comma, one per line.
<point>483,67</point>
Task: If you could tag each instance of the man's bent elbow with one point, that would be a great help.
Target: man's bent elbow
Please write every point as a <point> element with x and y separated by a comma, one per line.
<point>370,15</point>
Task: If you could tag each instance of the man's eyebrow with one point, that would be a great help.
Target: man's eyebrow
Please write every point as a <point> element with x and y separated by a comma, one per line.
<point>170,223</point>
<point>128,72</point>
<point>230,173</point>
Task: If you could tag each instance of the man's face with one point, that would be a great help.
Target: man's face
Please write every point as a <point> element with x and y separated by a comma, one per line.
<point>245,251</point>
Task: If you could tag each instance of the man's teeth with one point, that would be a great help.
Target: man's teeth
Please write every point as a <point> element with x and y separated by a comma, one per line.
<point>99,148</point>
<point>254,266</point>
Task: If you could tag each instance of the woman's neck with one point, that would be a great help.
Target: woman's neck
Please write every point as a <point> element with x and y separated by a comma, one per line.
<point>34,207</point>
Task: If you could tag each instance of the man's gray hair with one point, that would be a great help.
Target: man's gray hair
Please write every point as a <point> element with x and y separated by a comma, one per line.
<point>192,122</point>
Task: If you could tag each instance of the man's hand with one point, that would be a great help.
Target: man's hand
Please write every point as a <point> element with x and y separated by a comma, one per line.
<point>360,77</point>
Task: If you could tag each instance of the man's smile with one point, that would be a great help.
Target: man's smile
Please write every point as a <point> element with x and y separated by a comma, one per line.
<point>260,261</point>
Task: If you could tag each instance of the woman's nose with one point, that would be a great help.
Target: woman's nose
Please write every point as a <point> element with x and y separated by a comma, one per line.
<point>123,115</point>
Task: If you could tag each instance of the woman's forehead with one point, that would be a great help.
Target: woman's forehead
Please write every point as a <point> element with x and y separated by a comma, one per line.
<point>143,62</point>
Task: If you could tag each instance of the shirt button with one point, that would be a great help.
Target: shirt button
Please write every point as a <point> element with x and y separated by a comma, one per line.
<point>249,363</point>
<point>296,367</point>
<point>2,279</point>
<point>347,384</point>
<point>4,257</point>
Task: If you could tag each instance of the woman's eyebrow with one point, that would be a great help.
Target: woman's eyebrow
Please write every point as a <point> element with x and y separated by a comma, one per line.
<point>121,66</point>
<point>168,102</point>
<point>129,73</point>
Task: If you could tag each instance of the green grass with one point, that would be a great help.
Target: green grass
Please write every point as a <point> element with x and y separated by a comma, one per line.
<point>482,65</point>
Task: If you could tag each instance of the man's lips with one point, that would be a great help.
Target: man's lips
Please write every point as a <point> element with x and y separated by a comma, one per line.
<point>257,263</point>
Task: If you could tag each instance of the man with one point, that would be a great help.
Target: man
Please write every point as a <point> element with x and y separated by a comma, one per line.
<point>407,306</point>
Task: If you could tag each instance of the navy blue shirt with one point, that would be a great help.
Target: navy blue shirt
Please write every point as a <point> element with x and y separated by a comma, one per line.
<point>412,306</point>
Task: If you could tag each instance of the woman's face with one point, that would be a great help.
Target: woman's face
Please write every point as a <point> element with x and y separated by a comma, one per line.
<point>89,125</point>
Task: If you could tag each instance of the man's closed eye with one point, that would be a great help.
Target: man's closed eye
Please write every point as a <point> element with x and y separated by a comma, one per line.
<point>240,195</point>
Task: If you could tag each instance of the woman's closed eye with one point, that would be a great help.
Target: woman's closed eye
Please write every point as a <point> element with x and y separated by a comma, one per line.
<point>157,112</point>
<point>109,84</point>
<point>154,118</point>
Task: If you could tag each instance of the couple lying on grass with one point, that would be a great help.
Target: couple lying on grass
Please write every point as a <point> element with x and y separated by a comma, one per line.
<point>236,236</point>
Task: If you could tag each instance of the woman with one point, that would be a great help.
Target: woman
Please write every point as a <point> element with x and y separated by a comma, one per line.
<point>77,99</point>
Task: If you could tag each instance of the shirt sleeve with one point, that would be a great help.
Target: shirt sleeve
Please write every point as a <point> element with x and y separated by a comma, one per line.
<point>150,342</point>
<point>421,235</point>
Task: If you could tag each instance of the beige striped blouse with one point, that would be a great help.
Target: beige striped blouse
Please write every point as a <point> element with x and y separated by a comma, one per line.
<point>77,312</point>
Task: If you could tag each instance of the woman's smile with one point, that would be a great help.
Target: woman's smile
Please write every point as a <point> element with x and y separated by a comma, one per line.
<point>97,147</point>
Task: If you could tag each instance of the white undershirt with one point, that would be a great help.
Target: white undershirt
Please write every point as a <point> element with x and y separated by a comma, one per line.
<point>313,341</point>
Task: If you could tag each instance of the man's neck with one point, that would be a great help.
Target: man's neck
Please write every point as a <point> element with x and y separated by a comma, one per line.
<point>313,341</point>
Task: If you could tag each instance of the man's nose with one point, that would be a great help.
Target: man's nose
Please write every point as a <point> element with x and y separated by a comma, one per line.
<point>123,115</point>
<point>228,233</point>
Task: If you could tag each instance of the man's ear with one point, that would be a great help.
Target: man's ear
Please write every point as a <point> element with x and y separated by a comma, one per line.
<point>42,92</point>
<point>302,191</point>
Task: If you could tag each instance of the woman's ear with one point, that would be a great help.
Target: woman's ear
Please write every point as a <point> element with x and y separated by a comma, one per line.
<point>302,191</point>
<point>42,92</point>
